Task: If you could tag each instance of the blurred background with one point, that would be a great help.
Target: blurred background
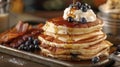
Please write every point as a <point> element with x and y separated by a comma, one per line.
<point>47,8</point>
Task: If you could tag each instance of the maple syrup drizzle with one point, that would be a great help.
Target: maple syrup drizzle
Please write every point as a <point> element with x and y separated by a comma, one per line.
<point>70,39</point>
<point>72,10</point>
<point>56,30</point>
<point>61,21</point>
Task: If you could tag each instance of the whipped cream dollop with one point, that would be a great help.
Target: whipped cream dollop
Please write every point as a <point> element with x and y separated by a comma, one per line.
<point>89,15</point>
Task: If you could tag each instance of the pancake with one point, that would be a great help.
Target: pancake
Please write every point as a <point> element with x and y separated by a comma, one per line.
<point>85,51</point>
<point>60,26</point>
<point>74,38</point>
<point>79,57</point>
<point>79,44</point>
<point>60,21</point>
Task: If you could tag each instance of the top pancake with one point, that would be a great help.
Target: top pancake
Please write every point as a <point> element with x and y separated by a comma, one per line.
<point>60,21</point>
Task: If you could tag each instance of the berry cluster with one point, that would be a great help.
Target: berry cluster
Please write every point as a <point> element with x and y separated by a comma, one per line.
<point>84,7</point>
<point>30,44</point>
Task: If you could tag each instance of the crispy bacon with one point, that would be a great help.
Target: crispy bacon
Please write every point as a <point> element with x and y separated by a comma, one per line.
<point>15,32</point>
<point>22,27</point>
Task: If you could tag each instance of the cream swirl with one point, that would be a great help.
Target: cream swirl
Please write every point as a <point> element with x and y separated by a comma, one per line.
<point>89,15</point>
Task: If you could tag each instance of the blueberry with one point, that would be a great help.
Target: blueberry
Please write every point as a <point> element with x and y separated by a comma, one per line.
<point>83,20</point>
<point>21,47</point>
<point>89,7</point>
<point>36,42</point>
<point>37,47</point>
<point>30,38</point>
<point>27,43</point>
<point>85,4</point>
<point>73,55</point>
<point>116,53</point>
<point>78,4</point>
<point>110,34</point>
<point>70,19</point>
<point>95,60</point>
<point>118,48</point>
<point>84,8</point>
<point>32,48</point>
<point>25,48</point>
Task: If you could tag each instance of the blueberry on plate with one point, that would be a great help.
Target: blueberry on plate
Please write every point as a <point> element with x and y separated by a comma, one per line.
<point>118,48</point>
<point>21,47</point>
<point>30,38</point>
<point>36,42</point>
<point>70,19</point>
<point>95,60</point>
<point>83,20</point>
<point>116,53</point>
<point>37,47</point>
<point>25,48</point>
<point>31,47</point>
<point>27,43</point>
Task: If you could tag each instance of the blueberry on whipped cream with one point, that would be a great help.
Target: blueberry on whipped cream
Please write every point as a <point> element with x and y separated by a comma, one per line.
<point>70,19</point>
<point>78,11</point>
<point>83,20</point>
<point>78,4</point>
<point>84,8</point>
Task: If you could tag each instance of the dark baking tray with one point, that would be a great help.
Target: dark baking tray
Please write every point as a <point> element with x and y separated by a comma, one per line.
<point>46,60</point>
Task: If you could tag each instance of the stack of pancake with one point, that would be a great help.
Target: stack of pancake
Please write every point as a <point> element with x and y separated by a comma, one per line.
<point>73,41</point>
